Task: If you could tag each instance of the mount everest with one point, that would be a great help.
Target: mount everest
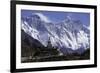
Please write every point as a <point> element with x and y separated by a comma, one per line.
<point>68,35</point>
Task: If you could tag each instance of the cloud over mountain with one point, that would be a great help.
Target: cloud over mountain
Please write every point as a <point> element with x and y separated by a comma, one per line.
<point>43,17</point>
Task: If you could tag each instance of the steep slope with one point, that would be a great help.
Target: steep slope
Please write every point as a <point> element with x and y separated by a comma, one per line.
<point>29,45</point>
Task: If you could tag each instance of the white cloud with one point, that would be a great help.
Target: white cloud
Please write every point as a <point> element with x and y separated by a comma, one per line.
<point>43,17</point>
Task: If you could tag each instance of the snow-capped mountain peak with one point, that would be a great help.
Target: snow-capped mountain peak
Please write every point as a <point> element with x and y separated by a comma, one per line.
<point>42,17</point>
<point>67,34</point>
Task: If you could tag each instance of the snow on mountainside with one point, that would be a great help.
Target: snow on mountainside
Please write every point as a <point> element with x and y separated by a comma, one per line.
<point>67,35</point>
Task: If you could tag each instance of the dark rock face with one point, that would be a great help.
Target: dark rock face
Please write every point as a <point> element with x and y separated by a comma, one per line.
<point>28,45</point>
<point>31,47</point>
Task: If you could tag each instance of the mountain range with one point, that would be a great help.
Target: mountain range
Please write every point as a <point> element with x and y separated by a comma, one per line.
<point>68,35</point>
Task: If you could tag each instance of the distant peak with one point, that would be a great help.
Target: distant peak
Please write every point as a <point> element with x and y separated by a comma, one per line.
<point>36,16</point>
<point>42,17</point>
<point>68,18</point>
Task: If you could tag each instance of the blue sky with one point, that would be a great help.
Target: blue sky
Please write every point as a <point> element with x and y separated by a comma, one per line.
<point>60,16</point>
